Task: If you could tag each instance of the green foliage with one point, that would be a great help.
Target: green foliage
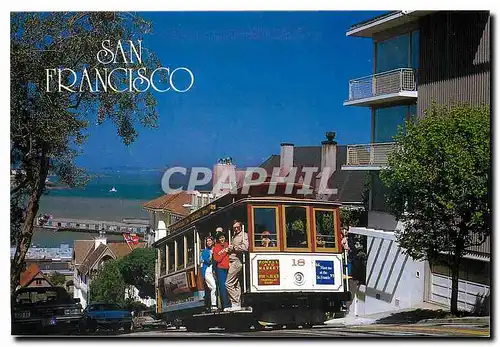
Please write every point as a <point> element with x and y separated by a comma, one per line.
<point>108,284</point>
<point>138,269</point>
<point>324,222</point>
<point>350,217</point>
<point>134,306</point>
<point>298,225</point>
<point>57,279</point>
<point>438,180</point>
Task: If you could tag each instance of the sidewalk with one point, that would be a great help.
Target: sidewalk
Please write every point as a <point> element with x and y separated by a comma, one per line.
<point>425,315</point>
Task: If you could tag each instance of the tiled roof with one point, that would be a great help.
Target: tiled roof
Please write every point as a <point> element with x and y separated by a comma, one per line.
<point>92,258</point>
<point>171,203</point>
<point>81,248</point>
<point>122,249</point>
<point>348,183</point>
<point>27,275</point>
<point>118,250</point>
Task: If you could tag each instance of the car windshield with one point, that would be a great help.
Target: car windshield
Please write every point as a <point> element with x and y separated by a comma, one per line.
<point>105,307</point>
<point>49,296</point>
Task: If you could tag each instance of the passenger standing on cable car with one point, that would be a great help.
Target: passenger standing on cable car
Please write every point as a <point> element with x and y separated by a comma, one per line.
<point>222,265</point>
<point>207,271</point>
<point>238,246</point>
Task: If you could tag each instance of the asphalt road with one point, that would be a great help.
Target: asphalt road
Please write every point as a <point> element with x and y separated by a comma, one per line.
<point>375,330</point>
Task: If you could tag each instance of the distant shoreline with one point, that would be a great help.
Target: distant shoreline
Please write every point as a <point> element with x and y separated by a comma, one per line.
<point>96,208</point>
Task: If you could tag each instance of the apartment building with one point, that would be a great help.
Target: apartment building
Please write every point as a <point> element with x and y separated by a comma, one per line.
<point>419,57</point>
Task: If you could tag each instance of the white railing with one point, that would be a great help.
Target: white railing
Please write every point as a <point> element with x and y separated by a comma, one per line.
<point>374,154</point>
<point>383,83</point>
<point>483,249</point>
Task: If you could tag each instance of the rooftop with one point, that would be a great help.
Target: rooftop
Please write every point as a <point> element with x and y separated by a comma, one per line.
<point>172,203</point>
<point>348,183</point>
<point>385,22</point>
<point>47,253</point>
<point>373,19</point>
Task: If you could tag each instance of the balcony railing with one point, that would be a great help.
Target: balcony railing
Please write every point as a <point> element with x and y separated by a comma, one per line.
<point>383,83</point>
<point>483,249</point>
<point>369,155</point>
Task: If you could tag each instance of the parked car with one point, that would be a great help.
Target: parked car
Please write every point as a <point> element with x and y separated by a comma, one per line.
<point>40,310</point>
<point>106,316</point>
<point>147,320</point>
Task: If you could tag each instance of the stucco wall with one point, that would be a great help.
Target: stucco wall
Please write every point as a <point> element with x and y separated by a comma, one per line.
<point>393,280</point>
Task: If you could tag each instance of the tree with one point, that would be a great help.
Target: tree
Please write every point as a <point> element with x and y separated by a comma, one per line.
<point>351,216</point>
<point>108,284</point>
<point>57,279</point>
<point>438,181</point>
<point>138,270</point>
<point>49,128</point>
<point>134,306</point>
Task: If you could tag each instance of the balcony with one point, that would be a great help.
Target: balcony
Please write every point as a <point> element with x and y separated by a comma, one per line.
<point>371,156</point>
<point>381,88</point>
<point>481,250</point>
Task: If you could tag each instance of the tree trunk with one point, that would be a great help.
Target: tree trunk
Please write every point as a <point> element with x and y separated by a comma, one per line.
<point>455,268</point>
<point>24,241</point>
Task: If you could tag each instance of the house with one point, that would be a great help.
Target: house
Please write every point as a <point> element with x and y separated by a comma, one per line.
<point>89,256</point>
<point>33,277</point>
<point>419,57</point>
<point>51,260</point>
<point>347,185</point>
<point>166,210</point>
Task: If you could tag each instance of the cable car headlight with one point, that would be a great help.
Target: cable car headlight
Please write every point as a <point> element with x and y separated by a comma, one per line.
<point>298,278</point>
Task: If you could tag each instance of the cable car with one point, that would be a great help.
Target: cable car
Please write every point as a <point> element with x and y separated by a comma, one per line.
<point>293,273</point>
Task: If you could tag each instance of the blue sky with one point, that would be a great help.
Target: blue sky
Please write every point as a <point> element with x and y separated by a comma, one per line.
<point>261,78</point>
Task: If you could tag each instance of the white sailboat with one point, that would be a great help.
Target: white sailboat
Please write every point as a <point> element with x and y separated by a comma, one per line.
<point>113,190</point>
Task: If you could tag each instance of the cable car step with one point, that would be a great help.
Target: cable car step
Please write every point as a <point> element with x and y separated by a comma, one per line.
<point>244,310</point>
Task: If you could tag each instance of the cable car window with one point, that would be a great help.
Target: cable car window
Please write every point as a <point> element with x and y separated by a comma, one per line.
<point>190,248</point>
<point>163,260</point>
<point>296,227</point>
<point>180,253</point>
<point>265,232</point>
<point>171,257</point>
<point>325,229</point>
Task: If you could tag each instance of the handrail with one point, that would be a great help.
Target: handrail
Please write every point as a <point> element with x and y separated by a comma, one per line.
<point>383,83</point>
<point>368,154</point>
<point>381,73</point>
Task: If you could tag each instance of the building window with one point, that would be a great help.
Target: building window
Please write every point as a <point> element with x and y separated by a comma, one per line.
<point>296,231</point>
<point>415,48</point>
<point>393,53</point>
<point>180,253</point>
<point>190,248</point>
<point>163,260</point>
<point>171,257</point>
<point>398,52</point>
<point>264,227</point>
<point>379,193</point>
<point>38,282</point>
<point>388,121</point>
<point>325,228</point>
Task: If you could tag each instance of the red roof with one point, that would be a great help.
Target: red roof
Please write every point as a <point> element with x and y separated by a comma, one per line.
<point>28,274</point>
<point>170,203</point>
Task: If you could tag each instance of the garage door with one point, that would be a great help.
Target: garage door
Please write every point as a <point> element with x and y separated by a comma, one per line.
<point>470,294</point>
